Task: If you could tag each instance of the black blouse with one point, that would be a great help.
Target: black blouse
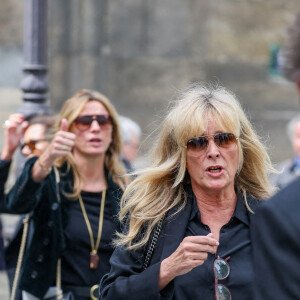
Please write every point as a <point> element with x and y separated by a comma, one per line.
<point>128,280</point>
<point>75,258</point>
<point>234,243</point>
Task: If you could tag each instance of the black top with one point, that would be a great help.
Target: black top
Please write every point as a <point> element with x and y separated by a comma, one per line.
<point>75,258</point>
<point>234,242</point>
<point>128,280</point>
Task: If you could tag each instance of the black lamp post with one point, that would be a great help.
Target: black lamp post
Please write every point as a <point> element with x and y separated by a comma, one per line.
<point>35,81</point>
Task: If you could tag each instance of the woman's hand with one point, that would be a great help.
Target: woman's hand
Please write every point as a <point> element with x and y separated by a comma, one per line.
<point>15,127</point>
<point>192,252</point>
<point>60,146</point>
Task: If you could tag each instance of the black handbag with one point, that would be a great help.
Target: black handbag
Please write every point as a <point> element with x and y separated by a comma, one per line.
<point>60,295</point>
<point>150,250</point>
<point>153,244</point>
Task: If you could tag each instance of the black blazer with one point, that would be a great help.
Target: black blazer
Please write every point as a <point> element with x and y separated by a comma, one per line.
<point>4,171</point>
<point>276,246</point>
<point>128,280</point>
<point>12,249</point>
<point>118,285</point>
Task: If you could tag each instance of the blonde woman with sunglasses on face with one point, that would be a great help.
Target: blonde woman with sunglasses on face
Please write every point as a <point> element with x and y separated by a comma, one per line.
<point>189,214</point>
<point>74,188</point>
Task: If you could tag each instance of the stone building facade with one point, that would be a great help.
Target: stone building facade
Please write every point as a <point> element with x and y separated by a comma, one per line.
<point>141,52</point>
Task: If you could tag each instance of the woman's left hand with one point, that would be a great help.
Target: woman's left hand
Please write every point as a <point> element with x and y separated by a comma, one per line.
<point>191,252</point>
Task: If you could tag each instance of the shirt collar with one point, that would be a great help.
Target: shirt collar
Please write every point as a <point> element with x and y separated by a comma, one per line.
<point>241,212</point>
<point>296,165</point>
<point>297,161</point>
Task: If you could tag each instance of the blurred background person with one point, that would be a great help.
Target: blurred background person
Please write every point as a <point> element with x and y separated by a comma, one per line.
<point>32,135</point>
<point>290,168</point>
<point>14,129</point>
<point>189,214</point>
<point>131,135</point>
<point>74,189</point>
<point>276,228</point>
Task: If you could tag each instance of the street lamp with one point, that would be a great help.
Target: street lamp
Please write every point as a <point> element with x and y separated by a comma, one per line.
<point>34,83</point>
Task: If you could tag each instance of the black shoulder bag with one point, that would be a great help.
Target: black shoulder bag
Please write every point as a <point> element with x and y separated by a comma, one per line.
<point>153,244</point>
<point>149,254</point>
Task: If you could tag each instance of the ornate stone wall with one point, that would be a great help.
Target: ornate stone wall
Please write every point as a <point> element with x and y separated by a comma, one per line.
<point>141,52</point>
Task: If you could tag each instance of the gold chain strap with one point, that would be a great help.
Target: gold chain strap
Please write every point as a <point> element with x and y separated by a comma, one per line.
<point>59,294</point>
<point>88,225</point>
<point>20,256</point>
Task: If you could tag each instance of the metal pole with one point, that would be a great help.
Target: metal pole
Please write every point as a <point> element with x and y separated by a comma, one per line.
<point>35,81</point>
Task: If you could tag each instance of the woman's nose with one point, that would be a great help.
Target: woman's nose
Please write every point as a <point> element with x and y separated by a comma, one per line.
<point>95,126</point>
<point>212,149</point>
<point>26,151</point>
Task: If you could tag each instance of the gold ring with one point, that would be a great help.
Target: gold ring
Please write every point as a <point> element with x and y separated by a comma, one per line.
<point>92,291</point>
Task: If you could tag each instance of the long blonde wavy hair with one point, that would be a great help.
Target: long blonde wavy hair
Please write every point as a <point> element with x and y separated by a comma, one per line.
<point>160,187</point>
<point>70,111</point>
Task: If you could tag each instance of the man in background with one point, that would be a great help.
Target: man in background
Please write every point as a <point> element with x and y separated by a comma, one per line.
<point>32,135</point>
<point>131,134</point>
<point>276,229</point>
<point>290,168</point>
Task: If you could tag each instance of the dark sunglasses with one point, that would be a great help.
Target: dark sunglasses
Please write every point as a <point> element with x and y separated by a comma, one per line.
<point>84,122</point>
<point>222,140</point>
<point>32,144</point>
<point>221,271</point>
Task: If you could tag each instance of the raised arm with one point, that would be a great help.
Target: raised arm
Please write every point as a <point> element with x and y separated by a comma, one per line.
<point>60,146</point>
<point>22,196</point>
<point>15,127</point>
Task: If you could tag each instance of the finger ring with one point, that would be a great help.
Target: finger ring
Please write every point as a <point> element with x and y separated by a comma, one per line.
<point>5,124</point>
<point>65,148</point>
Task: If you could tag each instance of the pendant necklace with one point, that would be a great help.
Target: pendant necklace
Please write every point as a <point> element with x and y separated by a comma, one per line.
<point>94,257</point>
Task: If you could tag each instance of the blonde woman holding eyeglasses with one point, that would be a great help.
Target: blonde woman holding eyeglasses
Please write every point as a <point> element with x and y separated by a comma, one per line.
<point>189,214</point>
<point>74,189</point>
